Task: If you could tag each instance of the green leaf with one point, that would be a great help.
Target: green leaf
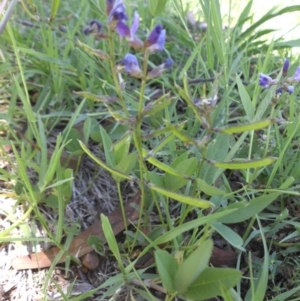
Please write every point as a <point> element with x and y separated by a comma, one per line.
<point>167,267</point>
<point>186,168</point>
<point>260,280</point>
<point>184,93</point>
<point>73,144</point>
<point>158,105</point>
<point>229,235</point>
<point>157,7</point>
<point>126,165</point>
<point>96,52</point>
<point>111,240</point>
<point>211,283</point>
<point>267,16</point>
<point>245,15</point>
<point>244,164</point>
<point>54,161</point>
<point>217,150</point>
<point>162,166</point>
<point>113,171</point>
<point>107,145</point>
<point>54,9</point>
<point>247,210</point>
<point>193,266</point>
<point>207,189</point>
<point>190,61</point>
<point>181,198</point>
<point>245,98</point>
<point>247,127</point>
<point>184,138</point>
<point>121,148</point>
<point>94,130</point>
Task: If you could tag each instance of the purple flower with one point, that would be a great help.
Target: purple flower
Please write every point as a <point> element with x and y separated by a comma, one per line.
<point>285,67</point>
<point>295,78</point>
<point>279,91</point>
<point>285,87</point>
<point>168,63</point>
<point>266,81</point>
<point>117,13</point>
<point>156,39</point>
<point>290,89</point>
<point>94,27</point>
<point>131,65</point>
<point>129,33</point>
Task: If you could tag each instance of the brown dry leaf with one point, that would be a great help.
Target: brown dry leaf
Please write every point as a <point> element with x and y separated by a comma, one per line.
<point>79,245</point>
<point>221,257</point>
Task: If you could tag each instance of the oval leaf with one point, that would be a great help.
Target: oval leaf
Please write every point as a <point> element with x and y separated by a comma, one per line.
<point>167,267</point>
<point>212,282</point>
<point>186,168</point>
<point>193,266</point>
<point>229,235</point>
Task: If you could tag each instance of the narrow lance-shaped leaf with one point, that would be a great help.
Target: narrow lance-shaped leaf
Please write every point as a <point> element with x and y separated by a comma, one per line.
<point>96,98</point>
<point>247,127</point>
<point>163,166</point>
<point>54,9</point>
<point>244,164</point>
<point>208,189</point>
<point>199,203</point>
<point>157,107</point>
<point>246,210</point>
<point>245,98</point>
<point>102,164</point>
<point>96,52</point>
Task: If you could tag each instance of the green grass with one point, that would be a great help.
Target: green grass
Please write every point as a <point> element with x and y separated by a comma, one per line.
<point>213,154</point>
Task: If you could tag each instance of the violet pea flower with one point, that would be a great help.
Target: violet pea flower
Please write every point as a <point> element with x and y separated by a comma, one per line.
<point>117,13</point>
<point>131,65</point>
<point>295,78</point>
<point>285,67</point>
<point>94,27</point>
<point>156,39</point>
<point>286,88</point>
<point>266,81</point>
<point>159,70</point>
<point>129,33</point>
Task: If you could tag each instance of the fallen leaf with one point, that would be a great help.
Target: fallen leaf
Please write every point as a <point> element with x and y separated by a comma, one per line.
<point>79,245</point>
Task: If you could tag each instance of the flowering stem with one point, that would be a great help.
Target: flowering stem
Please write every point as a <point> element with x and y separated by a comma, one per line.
<point>112,67</point>
<point>143,85</point>
<point>137,135</point>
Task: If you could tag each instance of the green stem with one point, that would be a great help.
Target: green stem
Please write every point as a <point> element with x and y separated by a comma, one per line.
<point>248,230</point>
<point>267,145</point>
<point>122,205</point>
<point>112,67</point>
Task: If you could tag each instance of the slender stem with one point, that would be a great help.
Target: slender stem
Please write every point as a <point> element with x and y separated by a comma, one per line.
<point>137,136</point>
<point>122,205</point>
<point>112,67</point>
<point>267,145</point>
<point>250,224</point>
<point>143,85</point>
